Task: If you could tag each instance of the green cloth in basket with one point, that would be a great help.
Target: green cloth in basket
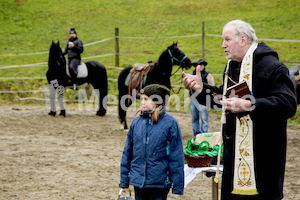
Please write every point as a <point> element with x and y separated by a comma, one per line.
<point>201,149</point>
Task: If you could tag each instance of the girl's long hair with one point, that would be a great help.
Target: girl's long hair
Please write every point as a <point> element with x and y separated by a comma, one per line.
<point>155,114</point>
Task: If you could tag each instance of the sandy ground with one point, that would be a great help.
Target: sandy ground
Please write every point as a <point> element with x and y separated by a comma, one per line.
<point>78,157</point>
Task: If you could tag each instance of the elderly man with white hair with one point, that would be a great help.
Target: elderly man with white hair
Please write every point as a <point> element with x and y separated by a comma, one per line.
<point>254,121</point>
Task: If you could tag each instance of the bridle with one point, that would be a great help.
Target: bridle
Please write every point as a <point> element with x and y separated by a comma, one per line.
<point>173,58</point>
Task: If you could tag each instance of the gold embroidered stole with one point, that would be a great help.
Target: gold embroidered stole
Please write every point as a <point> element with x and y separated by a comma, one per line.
<point>244,177</point>
<point>223,121</point>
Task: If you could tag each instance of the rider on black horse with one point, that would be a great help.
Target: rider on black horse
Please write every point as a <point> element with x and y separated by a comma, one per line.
<point>73,48</point>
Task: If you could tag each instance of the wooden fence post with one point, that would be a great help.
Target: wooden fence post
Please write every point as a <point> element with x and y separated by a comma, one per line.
<point>203,46</point>
<point>117,63</point>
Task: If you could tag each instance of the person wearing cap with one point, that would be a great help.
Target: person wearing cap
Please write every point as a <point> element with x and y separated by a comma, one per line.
<point>74,48</point>
<point>199,109</point>
<point>295,77</point>
<point>153,160</point>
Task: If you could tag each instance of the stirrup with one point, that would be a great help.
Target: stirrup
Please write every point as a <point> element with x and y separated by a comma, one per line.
<point>74,86</point>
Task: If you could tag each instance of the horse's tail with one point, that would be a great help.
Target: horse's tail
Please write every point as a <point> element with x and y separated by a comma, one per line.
<point>123,90</point>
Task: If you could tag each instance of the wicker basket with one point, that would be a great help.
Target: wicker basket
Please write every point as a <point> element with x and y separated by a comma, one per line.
<point>198,161</point>
<point>215,158</point>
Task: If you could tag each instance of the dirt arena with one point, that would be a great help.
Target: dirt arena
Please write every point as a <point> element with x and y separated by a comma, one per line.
<point>78,157</point>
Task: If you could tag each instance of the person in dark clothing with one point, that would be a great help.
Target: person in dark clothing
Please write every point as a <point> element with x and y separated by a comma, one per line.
<point>295,76</point>
<point>273,102</point>
<point>199,109</point>
<point>297,80</point>
<point>74,48</point>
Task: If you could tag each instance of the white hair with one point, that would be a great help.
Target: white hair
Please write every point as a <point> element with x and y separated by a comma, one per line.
<point>240,27</point>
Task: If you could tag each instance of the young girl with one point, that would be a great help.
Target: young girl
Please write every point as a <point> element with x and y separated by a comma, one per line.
<point>152,159</point>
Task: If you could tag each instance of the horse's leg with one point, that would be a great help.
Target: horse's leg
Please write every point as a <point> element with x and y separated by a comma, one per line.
<point>52,100</point>
<point>102,86</point>
<point>103,93</point>
<point>101,111</point>
<point>123,90</point>
<point>123,106</point>
<point>60,99</point>
<point>123,101</point>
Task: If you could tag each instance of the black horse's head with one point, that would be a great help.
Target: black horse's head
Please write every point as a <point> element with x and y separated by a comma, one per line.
<point>56,60</point>
<point>178,57</point>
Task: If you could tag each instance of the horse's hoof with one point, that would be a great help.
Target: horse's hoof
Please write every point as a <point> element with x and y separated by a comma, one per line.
<point>101,112</point>
<point>52,113</point>
<point>62,113</point>
<point>122,129</point>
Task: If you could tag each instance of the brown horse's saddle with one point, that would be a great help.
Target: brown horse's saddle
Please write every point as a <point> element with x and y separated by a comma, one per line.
<point>137,77</point>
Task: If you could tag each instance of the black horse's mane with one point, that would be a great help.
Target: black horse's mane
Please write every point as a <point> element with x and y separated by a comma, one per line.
<point>162,58</point>
<point>163,67</point>
<point>57,63</point>
<point>55,55</point>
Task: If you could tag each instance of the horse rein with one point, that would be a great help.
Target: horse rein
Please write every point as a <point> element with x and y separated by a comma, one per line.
<point>179,61</point>
<point>181,81</point>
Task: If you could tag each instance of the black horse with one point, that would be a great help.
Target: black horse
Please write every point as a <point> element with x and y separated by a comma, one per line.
<point>159,73</point>
<point>58,79</point>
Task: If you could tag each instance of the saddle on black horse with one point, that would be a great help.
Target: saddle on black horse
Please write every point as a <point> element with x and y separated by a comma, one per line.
<point>137,77</point>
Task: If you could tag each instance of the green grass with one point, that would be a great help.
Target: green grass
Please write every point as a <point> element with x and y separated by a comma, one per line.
<point>29,26</point>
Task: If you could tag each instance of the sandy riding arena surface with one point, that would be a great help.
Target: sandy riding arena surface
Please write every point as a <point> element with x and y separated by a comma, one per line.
<point>78,157</point>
